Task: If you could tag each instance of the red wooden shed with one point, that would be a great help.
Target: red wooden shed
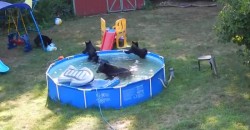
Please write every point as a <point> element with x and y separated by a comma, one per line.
<point>93,7</point>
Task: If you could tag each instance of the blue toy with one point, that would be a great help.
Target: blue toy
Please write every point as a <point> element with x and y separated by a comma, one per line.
<point>11,43</point>
<point>3,68</point>
<point>19,8</point>
<point>27,45</point>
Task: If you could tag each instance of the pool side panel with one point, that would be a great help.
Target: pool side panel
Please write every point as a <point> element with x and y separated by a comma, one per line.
<point>135,93</point>
<point>157,81</point>
<point>52,90</point>
<point>107,98</point>
<point>72,96</point>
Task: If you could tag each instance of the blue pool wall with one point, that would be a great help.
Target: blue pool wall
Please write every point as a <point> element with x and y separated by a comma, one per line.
<point>117,97</point>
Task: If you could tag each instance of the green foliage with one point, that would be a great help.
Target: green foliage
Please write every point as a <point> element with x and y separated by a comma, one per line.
<point>245,54</point>
<point>148,4</point>
<point>233,22</point>
<point>46,10</point>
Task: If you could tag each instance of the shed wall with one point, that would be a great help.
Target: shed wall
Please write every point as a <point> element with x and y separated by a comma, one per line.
<point>94,7</point>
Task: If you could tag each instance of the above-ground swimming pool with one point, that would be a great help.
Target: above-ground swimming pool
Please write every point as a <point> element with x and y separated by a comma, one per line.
<point>148,76</point>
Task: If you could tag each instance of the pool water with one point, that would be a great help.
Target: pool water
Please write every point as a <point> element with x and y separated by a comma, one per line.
<point>141,68</point>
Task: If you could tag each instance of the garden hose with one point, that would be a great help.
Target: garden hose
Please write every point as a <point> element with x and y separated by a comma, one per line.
<point>171,76</point>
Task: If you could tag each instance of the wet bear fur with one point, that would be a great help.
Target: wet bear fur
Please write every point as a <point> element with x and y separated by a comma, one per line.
<point>112,71</point>
<point>89,48</point>
<point>46,40</point>
<point>137,51</point>
<point>91,51</point>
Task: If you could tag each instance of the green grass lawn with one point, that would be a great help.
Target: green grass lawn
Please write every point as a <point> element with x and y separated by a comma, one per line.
<point>194,100</point>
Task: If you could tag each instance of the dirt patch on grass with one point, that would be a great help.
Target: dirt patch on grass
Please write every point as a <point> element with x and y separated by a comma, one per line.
<point>121,125</point>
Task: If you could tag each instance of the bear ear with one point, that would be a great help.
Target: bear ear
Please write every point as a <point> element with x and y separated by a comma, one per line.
<point>104,64</point>
<point>135,43</point>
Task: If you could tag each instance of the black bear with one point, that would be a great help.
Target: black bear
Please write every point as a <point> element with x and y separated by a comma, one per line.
<point>137,51</point>
<point>91,51</point>
<point>46,40</point>
<point>111,71</point>
<point>89,47</point>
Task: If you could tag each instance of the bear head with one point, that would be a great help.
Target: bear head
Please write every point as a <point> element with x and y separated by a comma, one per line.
<point>49,41</point>
<point>102,67</point>
<point>135,43</point>
<point>88,47</point>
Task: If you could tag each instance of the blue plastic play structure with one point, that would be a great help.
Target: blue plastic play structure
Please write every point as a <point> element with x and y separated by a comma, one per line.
<point>27,46</point>
<point>12,37</point>
<point>14,40</point>
<point>11,44</point>
<point>3,68</point>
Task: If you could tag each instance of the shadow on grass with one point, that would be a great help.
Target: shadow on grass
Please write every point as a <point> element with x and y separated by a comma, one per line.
<point>213,103</point>
<point>190,102</point>
<point>67,114</point>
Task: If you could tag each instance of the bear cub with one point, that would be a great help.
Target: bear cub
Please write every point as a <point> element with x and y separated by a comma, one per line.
<point>137,51</point>
<point>91,51</point>
<point>46,40</point>
<point>112,71</point>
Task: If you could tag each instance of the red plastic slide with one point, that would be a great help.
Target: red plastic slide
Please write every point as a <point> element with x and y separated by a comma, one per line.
<point>108,40</point>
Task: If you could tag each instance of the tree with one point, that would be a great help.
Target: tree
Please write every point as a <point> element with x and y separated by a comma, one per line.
<point>233,24</point>
<point>47,10</point>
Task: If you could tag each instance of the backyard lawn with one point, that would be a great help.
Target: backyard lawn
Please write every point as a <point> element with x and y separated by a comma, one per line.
<point>193,100</point>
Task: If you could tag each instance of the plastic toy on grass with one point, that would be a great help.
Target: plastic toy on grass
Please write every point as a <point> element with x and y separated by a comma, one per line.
<point>14,40</point>
<point>117,35</point>
<point>11,43</point>
<point>51,47</point>
<point>27,46</point>
<point>120,30</point>
<point>58,21</point>
<point>3,68</point>
<point>16,22</point>
<point>108,40</point>
<point>60,57</point>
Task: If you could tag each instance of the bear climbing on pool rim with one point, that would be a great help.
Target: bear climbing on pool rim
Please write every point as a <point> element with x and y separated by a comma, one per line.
<point>137,51</point>
<point>91,51</point>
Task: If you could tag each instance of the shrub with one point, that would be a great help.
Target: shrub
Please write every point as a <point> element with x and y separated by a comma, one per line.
<point>148,4</point>
<point>46,10</point>
<point>233,23</point>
